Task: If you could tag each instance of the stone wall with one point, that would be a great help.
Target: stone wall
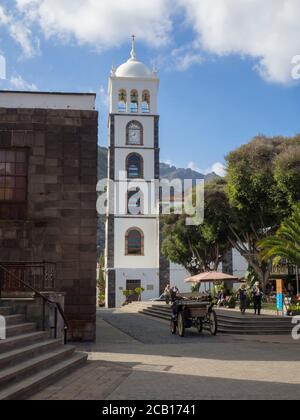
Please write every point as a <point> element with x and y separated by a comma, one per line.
<point>61,221</point>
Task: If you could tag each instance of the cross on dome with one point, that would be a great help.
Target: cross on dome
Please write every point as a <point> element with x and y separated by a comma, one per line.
<point>134,68</point>
<point>133,50</point>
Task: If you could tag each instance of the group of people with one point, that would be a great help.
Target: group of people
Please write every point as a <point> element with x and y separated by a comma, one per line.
<point>171,293</point>
<point>257,297</point>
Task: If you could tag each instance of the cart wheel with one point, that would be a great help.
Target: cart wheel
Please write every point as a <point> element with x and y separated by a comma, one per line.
<point>213,323</point>
<point>173,327</point>
<point>181,324</point>
<point>199,325</point>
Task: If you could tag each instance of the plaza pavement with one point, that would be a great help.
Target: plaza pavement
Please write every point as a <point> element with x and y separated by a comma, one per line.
<point>136,358</point>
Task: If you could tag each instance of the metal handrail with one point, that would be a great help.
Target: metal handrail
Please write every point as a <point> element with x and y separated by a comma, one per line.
<point>57,305</point>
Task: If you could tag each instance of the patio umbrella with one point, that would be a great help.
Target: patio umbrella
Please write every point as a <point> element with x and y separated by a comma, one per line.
<point>211,277</point>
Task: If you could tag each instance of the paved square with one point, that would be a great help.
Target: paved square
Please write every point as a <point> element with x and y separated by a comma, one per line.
<point>135,357</point>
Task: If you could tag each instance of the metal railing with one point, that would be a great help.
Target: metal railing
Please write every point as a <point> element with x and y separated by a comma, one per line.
<point>284,270</point>
<point>36,278</point>
<point>39,275</point>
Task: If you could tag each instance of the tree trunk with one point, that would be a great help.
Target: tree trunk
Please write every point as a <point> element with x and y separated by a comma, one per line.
<point>262,273</point>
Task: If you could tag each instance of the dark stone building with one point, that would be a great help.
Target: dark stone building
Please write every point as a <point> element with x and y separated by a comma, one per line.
<point>48,176</point>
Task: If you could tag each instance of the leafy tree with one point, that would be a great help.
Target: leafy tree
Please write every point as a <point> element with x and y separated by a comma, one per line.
<point>101,283</point>
<point>257,191</point>
<point>287,172</point>
<point>199,248</point>
<point>285,244</point>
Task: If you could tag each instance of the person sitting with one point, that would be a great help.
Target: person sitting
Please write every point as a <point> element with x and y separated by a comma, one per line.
<point>221,298</point>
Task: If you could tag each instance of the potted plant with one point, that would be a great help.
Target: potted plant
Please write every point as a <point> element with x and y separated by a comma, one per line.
<point>139,292</point>
<point>127,294</point>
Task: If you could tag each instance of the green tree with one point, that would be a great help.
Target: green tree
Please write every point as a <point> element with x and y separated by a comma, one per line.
<point>257,190</point>
<point>200,248</point>
<point>285,244</point>
<point>287,172</point>
<point>101,283</point>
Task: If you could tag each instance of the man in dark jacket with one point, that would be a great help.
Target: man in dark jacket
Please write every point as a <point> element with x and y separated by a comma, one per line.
<point>257,298</point>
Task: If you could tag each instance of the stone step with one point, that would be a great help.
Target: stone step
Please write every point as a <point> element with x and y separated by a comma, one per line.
<point>22,341</point>
<point>253,332</point>
<point>21,371</point>
<point>155,314</point>
<point>10,358</point>
<point>19,329</point>
<point>33,384</point>
<point>253,327</point>
<point>224,323</point>
<point>14,320</point>
<point>255,324</point>
<point>233,324</point>
<point>6,310</point>
<point>267,320</point>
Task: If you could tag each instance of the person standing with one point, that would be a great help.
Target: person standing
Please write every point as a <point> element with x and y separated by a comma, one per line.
<point>167,294</point>
<point>257,298</point>
<point>243,298</point>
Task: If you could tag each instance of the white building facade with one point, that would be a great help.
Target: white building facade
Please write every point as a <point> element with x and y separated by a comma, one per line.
<point>132,227</point>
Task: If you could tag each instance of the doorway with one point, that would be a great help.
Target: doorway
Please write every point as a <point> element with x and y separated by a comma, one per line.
<point>132,285</point>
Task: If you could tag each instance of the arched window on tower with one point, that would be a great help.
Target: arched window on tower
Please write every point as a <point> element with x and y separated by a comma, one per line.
<point>146,102</point>
<point>134,101</point>
<point>134,242</point>
<point>134,134</point>
<point>135,166</point>
<point>122,104</point>
<point>135,202</point>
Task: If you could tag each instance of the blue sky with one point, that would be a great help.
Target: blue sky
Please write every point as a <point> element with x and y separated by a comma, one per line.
<point>224,77</point>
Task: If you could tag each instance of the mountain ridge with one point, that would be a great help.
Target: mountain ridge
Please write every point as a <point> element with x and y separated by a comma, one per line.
<point>167,171</point>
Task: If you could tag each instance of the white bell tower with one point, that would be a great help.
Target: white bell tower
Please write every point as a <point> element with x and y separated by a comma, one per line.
<point>132,228</point>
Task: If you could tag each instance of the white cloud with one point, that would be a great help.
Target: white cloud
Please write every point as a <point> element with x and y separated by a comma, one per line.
<point>17,82</point>
<point>103,24</point>
<point>186,56</point>
<point>218,168</point>
<point>20,32</point>
<point>2,67</point>
<point>103,98</point>
<point>267,30</point>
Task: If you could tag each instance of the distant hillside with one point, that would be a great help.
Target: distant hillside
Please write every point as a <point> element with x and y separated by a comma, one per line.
<point>102,162</point>
<point>166,171</point>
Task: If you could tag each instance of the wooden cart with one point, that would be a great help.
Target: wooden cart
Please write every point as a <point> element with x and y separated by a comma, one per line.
<point>189,314</point>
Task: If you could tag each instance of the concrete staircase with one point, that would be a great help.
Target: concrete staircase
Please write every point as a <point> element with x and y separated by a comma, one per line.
<point>29,361</point>
<point>229,322</point>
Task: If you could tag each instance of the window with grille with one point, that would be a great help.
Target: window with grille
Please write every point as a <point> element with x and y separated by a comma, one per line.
<point>13,183</point>
<point>135,167</point>
<point>134,242</point>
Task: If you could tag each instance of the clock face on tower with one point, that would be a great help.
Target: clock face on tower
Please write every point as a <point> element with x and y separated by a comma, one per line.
<point>135,134</point>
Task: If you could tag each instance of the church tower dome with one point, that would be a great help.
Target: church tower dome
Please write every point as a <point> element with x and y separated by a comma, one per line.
<point>133,67</point>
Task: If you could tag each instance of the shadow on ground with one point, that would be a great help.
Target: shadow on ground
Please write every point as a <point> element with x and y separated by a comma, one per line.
<point>156,336</point>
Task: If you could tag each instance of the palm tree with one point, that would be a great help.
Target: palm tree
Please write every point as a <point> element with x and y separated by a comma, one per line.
<point>286,242</point>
